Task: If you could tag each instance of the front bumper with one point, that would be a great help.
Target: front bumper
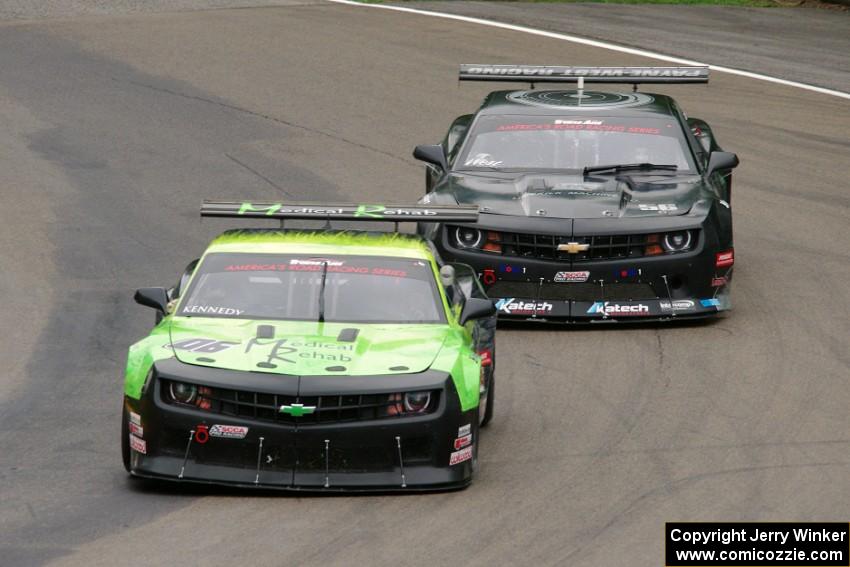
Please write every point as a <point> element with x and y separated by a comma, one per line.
<point>389,454</point>
<point>670,287</point>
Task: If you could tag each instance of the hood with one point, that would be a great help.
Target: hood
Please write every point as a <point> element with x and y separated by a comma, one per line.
<point>578,196</point>
<point>306,348</point>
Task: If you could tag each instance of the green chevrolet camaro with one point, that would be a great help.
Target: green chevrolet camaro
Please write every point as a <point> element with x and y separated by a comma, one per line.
<point>314,359</point>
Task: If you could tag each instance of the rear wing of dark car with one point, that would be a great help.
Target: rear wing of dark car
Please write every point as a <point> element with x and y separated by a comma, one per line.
<point>564,74</point>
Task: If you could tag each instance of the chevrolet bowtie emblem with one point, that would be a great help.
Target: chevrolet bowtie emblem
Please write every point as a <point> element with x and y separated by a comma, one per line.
<point>297,410</point>
<point>573,247</point>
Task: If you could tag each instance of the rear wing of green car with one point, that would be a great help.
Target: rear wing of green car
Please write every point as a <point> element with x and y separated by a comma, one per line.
<point>343,212</point>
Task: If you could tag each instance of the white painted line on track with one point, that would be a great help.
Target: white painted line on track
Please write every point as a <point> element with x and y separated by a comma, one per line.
<point>600,44</point>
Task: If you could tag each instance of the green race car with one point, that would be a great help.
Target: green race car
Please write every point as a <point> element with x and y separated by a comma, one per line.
<point>314,359</point>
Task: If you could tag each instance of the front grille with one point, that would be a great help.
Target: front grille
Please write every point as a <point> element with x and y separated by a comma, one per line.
<point>572,291</point>
<point>364,457</point>
<point>328,409</point>
<point>545,246</point>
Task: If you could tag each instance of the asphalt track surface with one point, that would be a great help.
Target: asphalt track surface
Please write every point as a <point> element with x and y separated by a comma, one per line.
<point>114,129</point>
<point>797,44</point>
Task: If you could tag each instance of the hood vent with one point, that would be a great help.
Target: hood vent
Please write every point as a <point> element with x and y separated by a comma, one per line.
<point>265,332</point>
<point>347,335</point>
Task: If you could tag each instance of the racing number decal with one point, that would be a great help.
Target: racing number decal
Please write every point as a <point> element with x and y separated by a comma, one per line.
<point>204,345</point>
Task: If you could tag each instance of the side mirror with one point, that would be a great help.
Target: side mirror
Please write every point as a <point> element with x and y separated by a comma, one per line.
<point>156,297</point>
<point>432,154</point>
<point>447,275</point>
<point>719,161</point>
<point>476,308</point>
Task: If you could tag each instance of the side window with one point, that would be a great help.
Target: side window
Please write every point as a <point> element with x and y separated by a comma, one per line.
<point>174,292</point>
<point>466,282</point>
<point>456,133</point>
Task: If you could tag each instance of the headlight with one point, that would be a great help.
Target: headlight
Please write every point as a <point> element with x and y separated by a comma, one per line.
<point>474,239</point>
<point>182,393</point>
<point>677,241</point>
<point>468,237</point>
<point>200,397</point>
<point>416,402</point>
<point>408,403</point>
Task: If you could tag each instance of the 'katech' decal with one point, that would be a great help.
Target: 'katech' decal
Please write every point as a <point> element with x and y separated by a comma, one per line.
<point>608,308</point>
<point>135,418</point>
<point>462,442</point>
<point>513,307</point>
<point>464,430</point>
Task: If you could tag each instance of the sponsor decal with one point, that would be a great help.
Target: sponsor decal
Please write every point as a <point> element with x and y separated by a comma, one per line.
<point>480,160</point>
<point>713,302</point>
<point>467,70</point>
<point>464,430</point>
<point>135,418</point>
<point>511,269</point>
<point>608,308</point>
<point>678,305</point>
<point>462,442</point>
<point>286,350</point>
<point>203,345</point>
<point>312,265</point>
<point>564,126</point>
<point>202,434</point>
<point>315,262</point>
<point>346,211</point>
<point>661,208</point>
<point>138,445</point>
<point>572,277</point>
<point>594,122</point>
<point>136,429</point>
<point>228,431</point>
<point>212,310</point>
<point>628,273</point>
<point>460,456</point>
<point>513,307</point>
<point>719,282</point>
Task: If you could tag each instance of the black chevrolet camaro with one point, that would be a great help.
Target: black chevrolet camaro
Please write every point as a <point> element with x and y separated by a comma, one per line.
<point>595,206</point>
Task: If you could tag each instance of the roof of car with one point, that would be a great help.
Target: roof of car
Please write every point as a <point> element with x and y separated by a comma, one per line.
<point>336,242</point>
<point>548,102</point>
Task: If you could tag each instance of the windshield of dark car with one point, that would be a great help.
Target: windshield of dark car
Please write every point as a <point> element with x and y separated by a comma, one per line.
<point>361,289</point>
<point>570,142</point>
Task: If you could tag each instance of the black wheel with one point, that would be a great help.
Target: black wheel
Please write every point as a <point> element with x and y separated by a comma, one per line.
<point>491,389</point>
<point>125,439</point>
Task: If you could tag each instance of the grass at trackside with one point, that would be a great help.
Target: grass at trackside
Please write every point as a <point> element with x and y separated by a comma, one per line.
<point>750,3</point>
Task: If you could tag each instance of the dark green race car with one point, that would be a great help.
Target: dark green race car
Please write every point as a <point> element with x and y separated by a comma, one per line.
<point>314,359</point>
<point>596,206</point>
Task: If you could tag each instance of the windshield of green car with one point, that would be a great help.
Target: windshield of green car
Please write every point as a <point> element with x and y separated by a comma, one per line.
<point>508,142</point>
<point>356,289</point>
